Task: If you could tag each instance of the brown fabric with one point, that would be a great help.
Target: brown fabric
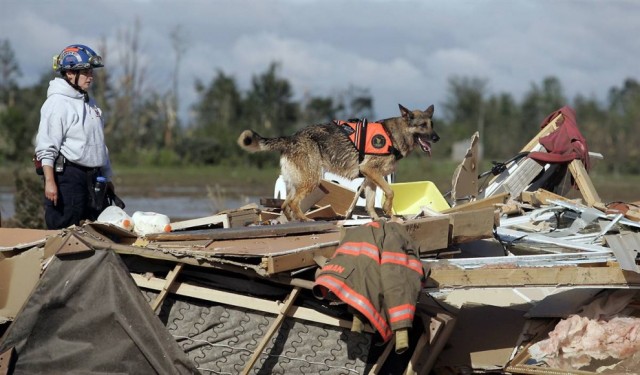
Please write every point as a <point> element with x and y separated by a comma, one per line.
<point>87,316</point>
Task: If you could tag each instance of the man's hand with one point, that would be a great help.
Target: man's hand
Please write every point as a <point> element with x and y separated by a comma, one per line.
<point>50,187</point>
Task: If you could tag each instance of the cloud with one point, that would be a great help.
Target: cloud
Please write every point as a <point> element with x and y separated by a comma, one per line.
<point>403,51</point>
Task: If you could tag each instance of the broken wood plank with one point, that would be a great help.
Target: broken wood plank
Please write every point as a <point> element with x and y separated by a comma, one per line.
<point>233,299</point>
<point>633,214</point>
<point>608,276</point>
<point>243,218</point>
<point>259,231</point>
<point>269,215</point>
<point>429,233</point>
<point>472,225</point>
<point>338,196</point>
<point>517,176</point>
<point>209,221</point>
<point>271,202</point>
<point>324,212</point>
<point>313,199</point>
<point>548,129</point>
<point>585,185</point>
<point>297,260</point>
<point>275,326</point>
<point>171,278</point>
<point>480,203</point>
<point>542,197</point>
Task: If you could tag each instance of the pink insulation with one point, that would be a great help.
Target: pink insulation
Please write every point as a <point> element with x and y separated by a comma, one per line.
<point>576,340</point>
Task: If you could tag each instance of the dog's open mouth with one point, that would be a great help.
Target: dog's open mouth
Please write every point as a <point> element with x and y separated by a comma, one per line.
<point>425,145</point>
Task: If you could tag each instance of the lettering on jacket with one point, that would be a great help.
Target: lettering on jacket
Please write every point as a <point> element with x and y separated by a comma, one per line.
<point>333,268</point>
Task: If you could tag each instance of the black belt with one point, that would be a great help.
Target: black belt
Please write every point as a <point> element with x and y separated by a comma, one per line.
<point>81,167</point>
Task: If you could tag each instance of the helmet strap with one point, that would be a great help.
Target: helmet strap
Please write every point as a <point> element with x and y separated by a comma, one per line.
<point>76,86</point>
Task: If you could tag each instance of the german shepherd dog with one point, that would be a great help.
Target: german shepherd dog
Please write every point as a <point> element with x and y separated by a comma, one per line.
<point>327,147</point>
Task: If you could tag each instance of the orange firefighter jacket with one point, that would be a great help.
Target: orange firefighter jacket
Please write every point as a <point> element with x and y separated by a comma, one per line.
<point>376,271</point>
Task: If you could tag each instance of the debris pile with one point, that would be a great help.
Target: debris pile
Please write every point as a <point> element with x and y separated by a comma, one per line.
<point>512,277</point>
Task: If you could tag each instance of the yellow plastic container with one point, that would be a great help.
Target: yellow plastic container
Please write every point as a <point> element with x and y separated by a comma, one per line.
<point>410,196</point>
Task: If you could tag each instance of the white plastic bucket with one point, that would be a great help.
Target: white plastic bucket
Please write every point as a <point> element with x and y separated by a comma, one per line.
<point>116,216</point>
<point>150,222</point>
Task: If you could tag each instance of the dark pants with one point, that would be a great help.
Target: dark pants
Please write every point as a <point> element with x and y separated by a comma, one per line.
<point>73,198</point>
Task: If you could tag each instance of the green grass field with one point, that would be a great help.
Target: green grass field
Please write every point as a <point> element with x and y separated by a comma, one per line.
<point>252,180</point>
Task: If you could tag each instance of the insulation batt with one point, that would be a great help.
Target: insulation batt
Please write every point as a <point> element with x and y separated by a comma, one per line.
<point>577,339</point>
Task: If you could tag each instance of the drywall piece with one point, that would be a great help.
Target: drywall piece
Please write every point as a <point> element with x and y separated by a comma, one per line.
<point>19,274</point>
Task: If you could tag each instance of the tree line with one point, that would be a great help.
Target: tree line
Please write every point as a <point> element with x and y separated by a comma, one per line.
<point>144,123</point>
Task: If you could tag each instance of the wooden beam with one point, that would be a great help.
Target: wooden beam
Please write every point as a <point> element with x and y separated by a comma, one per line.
<point>542,197</point>
<point>324,212</point>
<point>238,300</point>
<point>275,326</point>
<point>550,128</point>
<point>208,221</point>
<point>609,276</point>
<point>585,185</point>
<point>258,231</point>
<point>533,145</point>
<point>301,259</point>
<point>472,225</point>
<point>480,203</point>
<point>429,233</point>
<point>171,278</point>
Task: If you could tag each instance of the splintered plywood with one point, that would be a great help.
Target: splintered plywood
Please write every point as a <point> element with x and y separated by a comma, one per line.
<point>338,196</point>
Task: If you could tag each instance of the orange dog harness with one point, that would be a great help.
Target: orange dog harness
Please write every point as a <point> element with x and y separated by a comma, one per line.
<point>369,138</point>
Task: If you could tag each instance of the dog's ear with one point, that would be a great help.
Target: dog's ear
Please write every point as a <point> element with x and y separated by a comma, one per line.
<point>429,110</point>
<point>407,114</point>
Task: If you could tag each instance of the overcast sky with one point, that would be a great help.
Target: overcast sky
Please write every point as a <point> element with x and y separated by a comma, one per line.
<point>403,51</point>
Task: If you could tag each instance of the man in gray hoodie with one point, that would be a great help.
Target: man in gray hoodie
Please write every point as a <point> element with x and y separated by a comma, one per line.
<point>70,142</point>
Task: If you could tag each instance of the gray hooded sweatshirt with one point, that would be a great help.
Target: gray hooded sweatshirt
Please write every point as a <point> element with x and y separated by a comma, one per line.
<point>73,127</point>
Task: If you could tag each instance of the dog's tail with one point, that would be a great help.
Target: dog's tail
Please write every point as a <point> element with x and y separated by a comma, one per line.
<point>253,142</point>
